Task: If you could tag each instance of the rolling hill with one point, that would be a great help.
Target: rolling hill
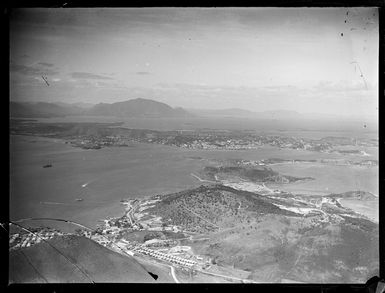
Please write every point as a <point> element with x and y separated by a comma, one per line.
<point>219,207</point>
<point>275,237</point>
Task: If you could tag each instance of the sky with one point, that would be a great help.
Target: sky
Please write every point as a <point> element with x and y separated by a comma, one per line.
<point>321,60</point>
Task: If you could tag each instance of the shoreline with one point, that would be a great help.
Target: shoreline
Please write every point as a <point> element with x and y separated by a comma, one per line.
<point>363,209</point>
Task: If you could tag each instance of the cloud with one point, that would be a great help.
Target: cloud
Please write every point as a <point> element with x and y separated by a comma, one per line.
<point>30,70</point>
<point>76,82</point>
<point>45,64</point>
<point>143,72</point>
<point>87,75</point>
<point>280,88</point>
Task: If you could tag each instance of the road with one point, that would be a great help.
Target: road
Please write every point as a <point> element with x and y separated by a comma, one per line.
<point>172,269</point>
<point>202,180</point>
<point>173,274</point>
<point>226,277</point>
<point>129,213</point>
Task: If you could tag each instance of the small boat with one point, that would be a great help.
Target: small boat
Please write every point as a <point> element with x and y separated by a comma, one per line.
<point>79,199</point>
<point>47,166</point>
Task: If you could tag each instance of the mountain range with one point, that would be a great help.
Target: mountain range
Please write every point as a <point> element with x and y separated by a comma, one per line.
<point>131,108</point>
<point>146,108</point>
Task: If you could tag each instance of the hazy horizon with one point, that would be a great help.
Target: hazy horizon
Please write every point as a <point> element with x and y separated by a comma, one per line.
<point>308,60</point>
<point>238,112</point>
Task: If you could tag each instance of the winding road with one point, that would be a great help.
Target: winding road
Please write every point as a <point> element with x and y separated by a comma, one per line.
<point>173,274</point>
<point>202,180</point>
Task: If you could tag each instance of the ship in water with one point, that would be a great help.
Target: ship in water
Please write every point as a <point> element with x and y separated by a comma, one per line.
<point>47,166</point>
<point>79,199</point>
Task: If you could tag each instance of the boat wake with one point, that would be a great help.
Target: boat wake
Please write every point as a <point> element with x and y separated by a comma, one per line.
<point>55,203</point>
<point>87,183</point>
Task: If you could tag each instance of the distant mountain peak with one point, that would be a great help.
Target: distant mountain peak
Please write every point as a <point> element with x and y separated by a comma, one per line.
<point>138,107</point>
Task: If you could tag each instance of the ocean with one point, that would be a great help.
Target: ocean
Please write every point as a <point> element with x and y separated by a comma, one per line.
<point>103,177</point>
<point>300,128</point>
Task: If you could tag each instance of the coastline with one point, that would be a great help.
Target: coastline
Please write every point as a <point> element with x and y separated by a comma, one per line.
<point>368,209</point>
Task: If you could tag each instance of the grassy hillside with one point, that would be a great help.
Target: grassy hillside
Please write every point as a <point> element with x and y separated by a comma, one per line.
<point>247,231</point>
<point>277,247</point>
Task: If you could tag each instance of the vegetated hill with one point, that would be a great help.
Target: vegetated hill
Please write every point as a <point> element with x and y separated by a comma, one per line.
<point>41,263</point>
<point>247,231</point>
<point>209,208</point>
<point>137,108</point>
<point>42,110</point>
<point>304,249</point>
<point>254,174</point>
